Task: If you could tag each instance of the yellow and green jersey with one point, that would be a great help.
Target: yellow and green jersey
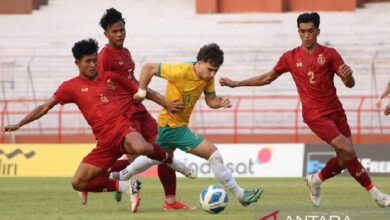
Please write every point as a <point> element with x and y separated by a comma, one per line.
<point>185,86</point>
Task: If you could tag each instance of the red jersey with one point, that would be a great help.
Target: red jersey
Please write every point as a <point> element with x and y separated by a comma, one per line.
<point>120,62</point>
<point>313,75</point>
<point>99,101</point>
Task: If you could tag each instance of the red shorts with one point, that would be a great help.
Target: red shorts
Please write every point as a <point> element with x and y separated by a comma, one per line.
<point>329,126</point>
<point>109,149</point>
<point>147,126</point>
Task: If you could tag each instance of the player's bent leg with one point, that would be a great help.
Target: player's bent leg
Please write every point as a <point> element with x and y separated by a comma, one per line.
<point>84,173</point>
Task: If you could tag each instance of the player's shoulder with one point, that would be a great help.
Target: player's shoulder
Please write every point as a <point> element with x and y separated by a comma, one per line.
<point>327,49</point>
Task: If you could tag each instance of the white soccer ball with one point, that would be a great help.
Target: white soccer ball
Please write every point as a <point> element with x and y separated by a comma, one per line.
<point>213,199</point>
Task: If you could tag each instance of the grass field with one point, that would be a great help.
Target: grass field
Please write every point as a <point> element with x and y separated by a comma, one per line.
<point>53,198</point>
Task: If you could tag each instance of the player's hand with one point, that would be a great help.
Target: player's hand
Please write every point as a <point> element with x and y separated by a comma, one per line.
<point>174,106</point>
<point>377,103</point>
<point>137,99</point>
<point>345,71</point>
<point>224,102</point>
<point>224,81</point>
<point>9,128</point>
<point>387,109</point>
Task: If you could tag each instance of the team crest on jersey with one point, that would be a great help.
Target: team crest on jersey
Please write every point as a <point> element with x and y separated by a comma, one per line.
<point>84,89</point>
<point>103,98</point>
<point>111,84</point>
<point>299,64</point>
<point>321,59</point>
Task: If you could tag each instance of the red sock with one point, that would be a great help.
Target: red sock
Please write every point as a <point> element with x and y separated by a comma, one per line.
<point>160,155</point>
<point>168,179</point>
<point>101,184</point>
<point>119,165</point>
<point>331,169</point>
<point>358,172</point>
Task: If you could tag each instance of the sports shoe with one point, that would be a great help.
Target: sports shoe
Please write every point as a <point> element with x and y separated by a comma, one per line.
<point>118,196</point>
<point>83,197</point>
<point>114,176</point>
<point>177,205</point>
<point>251,196</point>
<point>383,200</point>
<point>135,186</point>
<point>314,191</point>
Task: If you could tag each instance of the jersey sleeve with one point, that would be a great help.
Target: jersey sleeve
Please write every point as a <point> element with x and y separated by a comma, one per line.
<point>210,88</point>
<point>63,94</point>
<point>170,72</point>
<point>336,60</point>
<point>282,65</point>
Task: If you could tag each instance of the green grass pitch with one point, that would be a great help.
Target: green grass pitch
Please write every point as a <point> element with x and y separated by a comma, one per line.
<point>53,198</point>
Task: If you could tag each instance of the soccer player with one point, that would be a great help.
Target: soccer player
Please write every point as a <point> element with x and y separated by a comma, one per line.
<point>104,100</point>
<point>385,92</point>
<point>116,58</point>
<point>186,83</point>
<point>313,67</point>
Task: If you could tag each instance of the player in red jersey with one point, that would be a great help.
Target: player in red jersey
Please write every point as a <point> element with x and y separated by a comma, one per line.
<point>105,100</point>
<point>116,58</point>
<point>313,67</point>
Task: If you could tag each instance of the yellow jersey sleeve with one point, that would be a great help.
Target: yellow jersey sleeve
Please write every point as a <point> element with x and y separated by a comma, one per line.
<point>210,88</point>
<point>170,72</point>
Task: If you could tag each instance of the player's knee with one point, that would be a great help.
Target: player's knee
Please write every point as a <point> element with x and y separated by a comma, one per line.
<point>216,157</point>
<point>77,184</point>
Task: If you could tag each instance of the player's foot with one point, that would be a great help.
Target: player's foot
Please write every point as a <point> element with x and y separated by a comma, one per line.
<point>135,186</point>
<point>114,176</point>
<point>314,190</point>
<point>251,196</point>
<point>118,196</point>
<point>383,200</point>
<point>180,167</point>
<point>83,197</point>
<point>178,205</point>
<point>189,172</point>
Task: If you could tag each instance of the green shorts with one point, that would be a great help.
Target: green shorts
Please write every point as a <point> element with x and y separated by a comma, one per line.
<point>180,137</point>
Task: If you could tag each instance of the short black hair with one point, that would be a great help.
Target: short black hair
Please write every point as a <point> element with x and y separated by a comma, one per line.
<point>211,53</point>
<point>111,16</point>
<point>84,47</point>
<point>313,17</point>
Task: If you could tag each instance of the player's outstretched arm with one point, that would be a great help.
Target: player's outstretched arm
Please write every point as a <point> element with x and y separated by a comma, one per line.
<point>261,80</point>
<point>33,115</point>
<point>216,102</point>
<point>345,73</point>
<point>147,72</point>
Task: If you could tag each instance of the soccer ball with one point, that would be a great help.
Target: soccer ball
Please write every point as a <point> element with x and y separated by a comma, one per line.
<point>213,199</point>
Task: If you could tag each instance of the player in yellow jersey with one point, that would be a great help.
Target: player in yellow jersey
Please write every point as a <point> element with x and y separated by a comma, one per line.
<point>186,83</point>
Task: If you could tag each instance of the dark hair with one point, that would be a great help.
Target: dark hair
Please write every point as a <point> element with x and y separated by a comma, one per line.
<point>313,17</point>
<point>84,47</point>
<point>211,53</point>
<point>110,17</point>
